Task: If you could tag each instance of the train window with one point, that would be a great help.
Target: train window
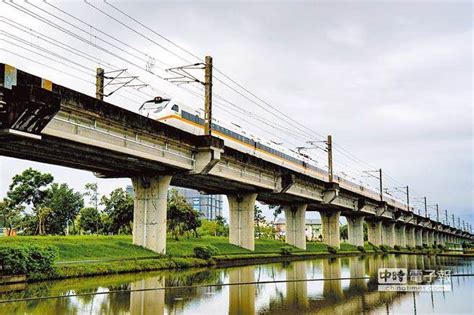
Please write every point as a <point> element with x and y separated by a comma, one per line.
<point>175,108</point>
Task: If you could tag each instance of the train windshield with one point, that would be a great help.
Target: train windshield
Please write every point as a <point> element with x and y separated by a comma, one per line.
<point>155,108</point>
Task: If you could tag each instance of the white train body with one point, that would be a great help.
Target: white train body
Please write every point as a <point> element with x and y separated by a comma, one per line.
<point>190,120</point>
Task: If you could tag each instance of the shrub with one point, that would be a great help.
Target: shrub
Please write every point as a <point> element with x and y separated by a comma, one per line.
<point>425,245</point>
<point>409,247</point>
<point>202,252</point>
<point>30,260</point>
<point>332,249</point>
<point>214,250</point>
<point>419,247</point>
<point>440,246</point>
<point>286,251</point>
<point>205,252</point>
<point>384,248</point>
<point>361,249</point>
<point>397,247</point>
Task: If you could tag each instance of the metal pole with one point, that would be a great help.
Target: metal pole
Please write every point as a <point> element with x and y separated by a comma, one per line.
<point>208,96</point>
<point>426,207</point>
<point>437,213</point>
<point>330,169</point>
<point>99,84</point>
<point>446,213</point>
<point>408,198</point>
<point>454,223</point>
<point>381,186</point>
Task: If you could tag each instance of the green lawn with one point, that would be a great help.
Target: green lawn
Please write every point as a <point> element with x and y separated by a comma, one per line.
<point>91,247</point>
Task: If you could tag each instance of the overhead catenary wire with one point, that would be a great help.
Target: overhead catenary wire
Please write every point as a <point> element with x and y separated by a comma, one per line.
<point>301,131</point>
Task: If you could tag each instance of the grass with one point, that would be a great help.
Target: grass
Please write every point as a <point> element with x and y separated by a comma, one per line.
<point>73,248</point>
<point>92,247</point>
<point>100,255</point>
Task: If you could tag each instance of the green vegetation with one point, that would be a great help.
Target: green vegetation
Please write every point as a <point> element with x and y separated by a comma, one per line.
<point>31,260</point>
<point>332,249</point>
<point>205,252</point>
<point>100,254</point>
<point>286,251</point>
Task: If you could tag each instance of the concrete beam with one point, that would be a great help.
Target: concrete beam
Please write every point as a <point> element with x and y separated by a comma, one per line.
<point>149,214</point>
<point>330,195</point>
<point>295,225</point>
<point>330,227</point>
<point>241,223</point>
<point>206,158</point>
<point>355,229</point>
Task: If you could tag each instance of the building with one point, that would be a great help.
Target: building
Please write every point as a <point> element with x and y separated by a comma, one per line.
<point>313,228</point>
<point>209,206</point>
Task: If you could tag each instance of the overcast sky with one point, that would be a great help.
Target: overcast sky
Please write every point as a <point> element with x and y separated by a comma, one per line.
<point>390,80</point>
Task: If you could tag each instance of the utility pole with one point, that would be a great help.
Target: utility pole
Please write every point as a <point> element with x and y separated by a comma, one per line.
<point>454,223</point>
<point>208,96</point>
<point>381,185</point>
<point>330,168</point>
<point>408,198</point>
<point>426,207</point>
<point>99,84</point>
<point>446,214</point>
<point>437,213</point>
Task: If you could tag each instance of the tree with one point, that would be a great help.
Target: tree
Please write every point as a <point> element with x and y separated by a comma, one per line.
<point>9,215</point>
<point>344,232</point>
<point>29,188</point>
<point>92,191</point>
<point>182,217</point>
<point>119,211</point>
<point>90,220</point>
<point>222,226</point>
<point>259,219</point>
<point>65,205</point>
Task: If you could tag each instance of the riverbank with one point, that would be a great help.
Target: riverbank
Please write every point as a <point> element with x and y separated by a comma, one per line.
<point>80,256</point>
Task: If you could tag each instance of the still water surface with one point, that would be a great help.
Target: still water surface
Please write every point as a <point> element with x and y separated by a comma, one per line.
<point>277,288</point>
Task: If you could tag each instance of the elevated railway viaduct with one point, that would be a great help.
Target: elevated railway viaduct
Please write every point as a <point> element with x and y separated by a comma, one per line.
<point>45,122</point>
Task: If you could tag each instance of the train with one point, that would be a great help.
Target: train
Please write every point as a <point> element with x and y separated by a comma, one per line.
<point>181,116</point>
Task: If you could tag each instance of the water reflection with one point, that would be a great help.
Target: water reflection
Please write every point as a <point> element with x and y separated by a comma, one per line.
<point>277,288</point>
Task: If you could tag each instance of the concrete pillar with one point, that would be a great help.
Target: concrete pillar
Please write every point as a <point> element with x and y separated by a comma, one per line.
<point>389,234</point>
<point>400,235</point>
<point>296,287</point>
<point>374,232</point>
<point>149,213</point>
<point>357,273</point>
<point>355,230</point>
<point>332,289</point>
<point>145,298</point>
<point>242,297</point>
<point>425,236</point>
<point>330,227</point>
<point>295,225</point>
<point>241,223</point>
<point>431,238</point>
<point>419,236</point>
<point>411,238</point>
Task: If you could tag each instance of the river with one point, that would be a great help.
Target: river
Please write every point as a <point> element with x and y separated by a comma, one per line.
<point>274,288</point>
